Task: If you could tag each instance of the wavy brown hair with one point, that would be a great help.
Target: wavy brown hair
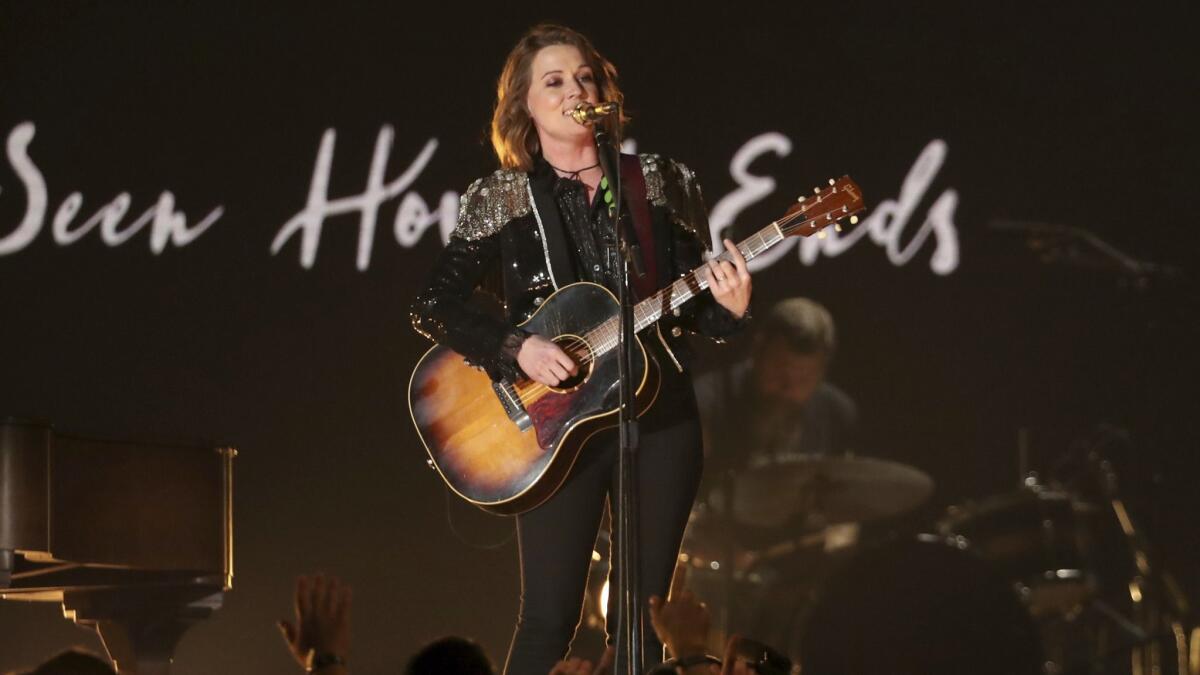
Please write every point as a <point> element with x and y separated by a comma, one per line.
<point>513,135</point>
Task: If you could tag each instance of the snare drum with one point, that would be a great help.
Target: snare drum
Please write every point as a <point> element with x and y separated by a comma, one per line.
<point>1037,538</point>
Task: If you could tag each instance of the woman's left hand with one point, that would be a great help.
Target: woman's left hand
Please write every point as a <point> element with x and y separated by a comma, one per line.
<point>730,282</point>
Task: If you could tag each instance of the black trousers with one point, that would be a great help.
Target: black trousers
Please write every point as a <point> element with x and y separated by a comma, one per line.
<point>556,538</point>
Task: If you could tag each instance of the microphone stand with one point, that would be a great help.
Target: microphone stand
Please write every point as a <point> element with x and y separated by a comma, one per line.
<point>630,644</point>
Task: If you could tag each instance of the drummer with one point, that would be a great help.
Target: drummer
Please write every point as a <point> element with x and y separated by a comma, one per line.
<point>777,404</point>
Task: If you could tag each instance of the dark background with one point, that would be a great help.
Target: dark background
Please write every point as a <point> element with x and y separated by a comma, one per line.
<point>1080,115</point>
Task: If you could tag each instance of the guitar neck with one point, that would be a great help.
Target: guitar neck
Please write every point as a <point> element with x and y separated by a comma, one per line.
<point>693,283</point>
<point>604,337</point>
<point>842,199</point>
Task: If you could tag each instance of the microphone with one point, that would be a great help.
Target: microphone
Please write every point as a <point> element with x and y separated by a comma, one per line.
<point>587,113</point>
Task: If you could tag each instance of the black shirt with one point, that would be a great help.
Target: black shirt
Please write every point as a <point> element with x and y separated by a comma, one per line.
<point>590,230</point>
<point>741,434</point>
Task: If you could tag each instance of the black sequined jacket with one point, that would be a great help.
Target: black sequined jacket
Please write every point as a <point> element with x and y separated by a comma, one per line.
<point>510,240</point>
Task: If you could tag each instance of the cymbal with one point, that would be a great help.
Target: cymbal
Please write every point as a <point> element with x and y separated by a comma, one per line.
<point>827,490</point>
<point>1028,498</point>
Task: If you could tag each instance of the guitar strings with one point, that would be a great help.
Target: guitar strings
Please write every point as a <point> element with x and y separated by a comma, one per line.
<point>531,392</point>
<point>579,351</point>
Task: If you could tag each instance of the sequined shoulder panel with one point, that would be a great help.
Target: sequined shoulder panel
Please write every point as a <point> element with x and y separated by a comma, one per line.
<point>673,185</point>
<point>491,202</point>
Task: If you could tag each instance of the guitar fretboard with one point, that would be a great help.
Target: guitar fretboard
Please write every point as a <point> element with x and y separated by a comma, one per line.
<point>604,337</point>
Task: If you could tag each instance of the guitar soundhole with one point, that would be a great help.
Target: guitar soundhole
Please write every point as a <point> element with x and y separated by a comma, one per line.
<point>581,351</point>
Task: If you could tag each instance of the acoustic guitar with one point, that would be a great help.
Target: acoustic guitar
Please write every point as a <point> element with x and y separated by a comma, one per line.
<point>507,446</point>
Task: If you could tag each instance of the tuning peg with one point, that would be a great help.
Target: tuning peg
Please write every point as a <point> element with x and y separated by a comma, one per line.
<point>853,220</point>
<point>838,227</point>
<point>821,235</point>
<point>816,191</point>
<point>800,198</point>
<point>831,181</point>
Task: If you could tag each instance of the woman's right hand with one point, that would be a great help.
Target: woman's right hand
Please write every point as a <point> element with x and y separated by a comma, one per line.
<point>545,362</point>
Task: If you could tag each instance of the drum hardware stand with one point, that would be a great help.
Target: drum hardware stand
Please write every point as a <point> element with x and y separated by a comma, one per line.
<point>1023,457</point>
<point>1077,247</point>
<point>1143,639</point>
<point>725,618</point>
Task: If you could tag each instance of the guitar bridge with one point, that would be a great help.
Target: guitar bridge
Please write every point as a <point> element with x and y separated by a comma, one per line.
<point>512,404</point>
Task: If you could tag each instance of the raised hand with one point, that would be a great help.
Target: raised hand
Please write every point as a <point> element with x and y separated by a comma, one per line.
<point>575,666</point>
<point>681,622</point>
<point>607,661</point>
<point>731,664</point>
<point>322,624</point>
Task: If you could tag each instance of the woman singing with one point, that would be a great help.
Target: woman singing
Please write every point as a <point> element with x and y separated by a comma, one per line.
<point>539,223</point>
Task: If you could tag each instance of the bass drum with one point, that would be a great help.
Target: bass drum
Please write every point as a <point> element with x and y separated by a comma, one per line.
<point>1041,538</point>
<point>924,606</point>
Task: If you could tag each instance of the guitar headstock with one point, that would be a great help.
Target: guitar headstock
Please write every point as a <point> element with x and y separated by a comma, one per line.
<point>842,199</point>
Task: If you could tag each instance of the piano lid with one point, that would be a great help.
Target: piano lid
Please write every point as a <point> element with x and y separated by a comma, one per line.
<point>95,507</point>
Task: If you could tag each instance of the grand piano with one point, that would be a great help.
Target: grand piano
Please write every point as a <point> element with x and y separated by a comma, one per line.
<point>134,539</point>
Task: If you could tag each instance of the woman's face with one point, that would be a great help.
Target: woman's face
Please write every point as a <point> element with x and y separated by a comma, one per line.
<point>559,80</point>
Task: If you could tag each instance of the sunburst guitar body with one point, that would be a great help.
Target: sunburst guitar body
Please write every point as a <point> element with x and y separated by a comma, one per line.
<point>508,447</point>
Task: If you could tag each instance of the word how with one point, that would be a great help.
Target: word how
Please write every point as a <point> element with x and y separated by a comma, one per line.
<point>413,216</point>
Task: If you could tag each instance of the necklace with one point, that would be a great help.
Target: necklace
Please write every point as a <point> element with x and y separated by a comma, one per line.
<point>573,175</point>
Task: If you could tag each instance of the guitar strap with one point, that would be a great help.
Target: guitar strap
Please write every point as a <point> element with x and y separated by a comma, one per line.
<point>635,193</point>
<point>553,236</point>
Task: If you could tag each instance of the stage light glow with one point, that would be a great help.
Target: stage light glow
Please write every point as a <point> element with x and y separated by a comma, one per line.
<point>1135,591</point>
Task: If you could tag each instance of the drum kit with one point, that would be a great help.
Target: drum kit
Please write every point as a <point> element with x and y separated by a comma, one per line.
<point>1050,579</point>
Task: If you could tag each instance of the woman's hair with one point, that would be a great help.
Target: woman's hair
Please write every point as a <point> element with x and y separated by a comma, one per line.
<point>450,656</point>
<point>513,135</point>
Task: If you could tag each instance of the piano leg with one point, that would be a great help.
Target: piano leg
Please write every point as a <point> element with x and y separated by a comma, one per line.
<point>7,561</point>
<point>141,627</point>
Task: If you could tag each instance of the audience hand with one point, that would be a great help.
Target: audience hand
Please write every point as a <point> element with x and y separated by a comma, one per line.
<point>575,666</point>
<point>322,624</point>
<point>731,664</point>
<point>584,667</point>
<point>681,623</point>
<point>607,660</point>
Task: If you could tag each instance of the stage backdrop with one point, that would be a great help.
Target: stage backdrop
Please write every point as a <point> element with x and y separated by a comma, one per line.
<point>213,218</point>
